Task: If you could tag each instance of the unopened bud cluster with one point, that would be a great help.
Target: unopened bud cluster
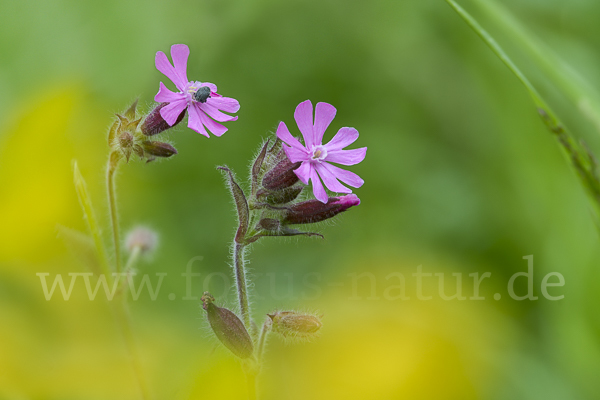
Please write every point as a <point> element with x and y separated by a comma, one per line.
<point>273,173</point>
<point>129,135</point>
<point>274,203</point>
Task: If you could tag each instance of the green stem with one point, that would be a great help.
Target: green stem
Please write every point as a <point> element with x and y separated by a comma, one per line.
<point>262,339</point>
<point>240,280</point>
<point>113,163</point>
<point>133,258</point>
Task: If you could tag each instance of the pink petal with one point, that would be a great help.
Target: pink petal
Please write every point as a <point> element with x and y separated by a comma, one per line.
<point>195,122</point>
<point>324,114</point>
<point>214,127</point>
<point>226,104</point>
<point>350,200</point>
<point>212,86</point>
<point>163,65</point>
<point>304,120</point>
<point>180,54</point>
<point>318,189</point>
<point>164,95</point>
<point>303,172</point>
<point>284,134</point>
<point>330,180</point>
<point>349,178</point>
<point>295,155</point>
<point>171,112</point>
<point>216,114</point>
<point>347,157</point>
<point>343,138</point>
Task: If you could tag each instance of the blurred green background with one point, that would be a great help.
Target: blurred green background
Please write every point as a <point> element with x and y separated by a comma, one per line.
<point>460,177</point>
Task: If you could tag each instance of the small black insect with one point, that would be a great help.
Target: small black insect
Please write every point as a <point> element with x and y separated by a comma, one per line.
<point>202,94</point>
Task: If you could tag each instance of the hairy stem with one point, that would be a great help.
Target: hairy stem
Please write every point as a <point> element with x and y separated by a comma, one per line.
<point>262,339</point>
<point>113,163</point>
<point>240,280</point>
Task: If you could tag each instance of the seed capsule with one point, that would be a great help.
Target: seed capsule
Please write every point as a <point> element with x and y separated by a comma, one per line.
<point>228,328</point>
<point>293,324</point>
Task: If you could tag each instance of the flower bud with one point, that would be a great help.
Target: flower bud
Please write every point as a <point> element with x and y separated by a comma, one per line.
<point>228,328</point>
<point>281,176</point>
<point>275,150</point>
<point>158,149</point>
<point>280,196</point>
<point>312,211</point>
<point>269,224</point>
<point>293,324</point>
<point>143,238</point>
<point>258,165</point>
<point>154,122</point>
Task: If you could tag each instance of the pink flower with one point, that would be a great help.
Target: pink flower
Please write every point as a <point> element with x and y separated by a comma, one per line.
<point>201,99</point>
<point>315,156</point>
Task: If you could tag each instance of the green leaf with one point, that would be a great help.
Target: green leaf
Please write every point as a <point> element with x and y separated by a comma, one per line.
<point>581,92</point>
<point>284,231</point>
<point>257,166</point>
<point>241,204</point>
<point>581,159</point>
<point>130,113</point>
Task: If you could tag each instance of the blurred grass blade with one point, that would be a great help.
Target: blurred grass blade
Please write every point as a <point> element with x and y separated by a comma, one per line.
<point>90,217</point>
<point>582,160</point>
<point>581,92</point>
<point>81,246</point>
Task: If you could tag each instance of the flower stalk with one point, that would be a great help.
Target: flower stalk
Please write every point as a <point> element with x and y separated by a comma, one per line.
<point>133,258</point>
<point>111,170</point>
<point>129,136</point>
<point>241,282</point>
<point>262,338</point>
<point>119,309</point>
